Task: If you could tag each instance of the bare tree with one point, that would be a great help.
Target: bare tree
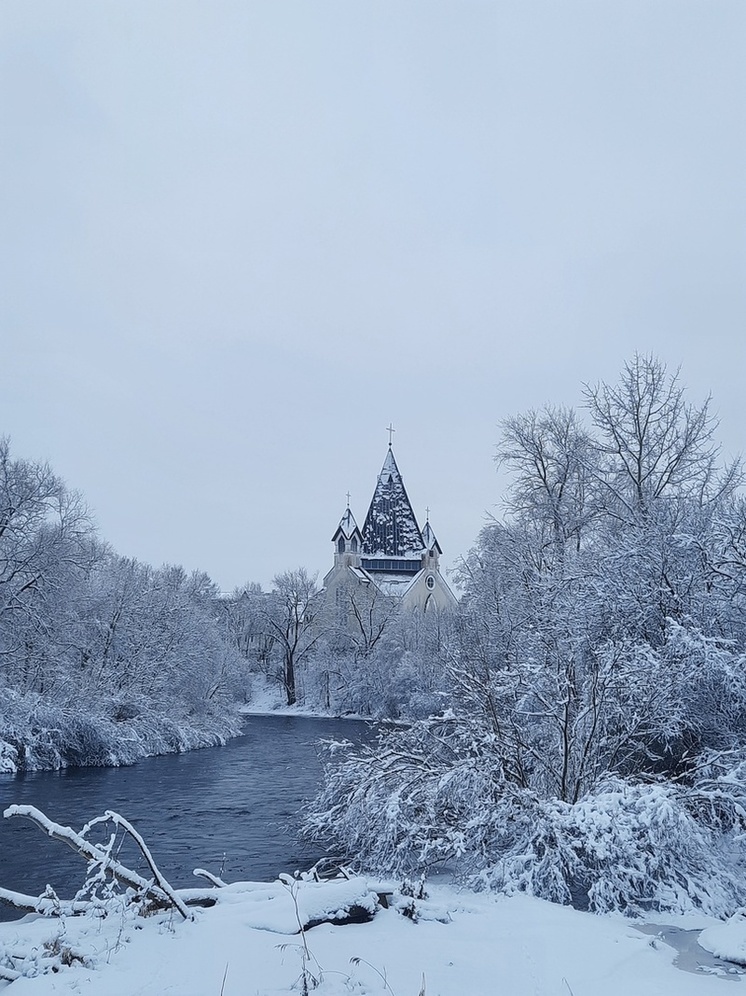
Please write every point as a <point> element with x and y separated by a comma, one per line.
<point>655,443</point>
<point>549,454</point>
<point>246,622</point>
<point>45,532</point>
<point>289,616</point>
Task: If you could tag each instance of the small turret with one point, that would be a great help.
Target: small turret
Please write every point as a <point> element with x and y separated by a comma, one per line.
<point>348,541</point>
<point>431,553</point>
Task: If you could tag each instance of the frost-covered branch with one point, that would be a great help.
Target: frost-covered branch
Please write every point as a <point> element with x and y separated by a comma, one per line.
<point>160,881</point>
<point>160,896</point>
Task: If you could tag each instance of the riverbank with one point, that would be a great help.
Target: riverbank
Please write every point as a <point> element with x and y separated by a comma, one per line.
<point>462,945</point>
<point>267,699</point>
<point>301,713</point>
<point>39,735</point>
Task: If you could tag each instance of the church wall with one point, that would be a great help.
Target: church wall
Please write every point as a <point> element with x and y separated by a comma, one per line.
<point>422,597</point>
<point>351,609</point>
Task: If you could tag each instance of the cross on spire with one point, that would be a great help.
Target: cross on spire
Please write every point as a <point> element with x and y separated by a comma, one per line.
<point>348,499</point>
<point>427,513</point>
<point>391,430</point>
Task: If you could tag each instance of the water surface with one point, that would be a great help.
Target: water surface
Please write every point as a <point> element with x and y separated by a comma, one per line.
<point>232,809</point>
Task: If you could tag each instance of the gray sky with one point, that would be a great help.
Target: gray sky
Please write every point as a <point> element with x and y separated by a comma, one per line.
<point>238,238</point>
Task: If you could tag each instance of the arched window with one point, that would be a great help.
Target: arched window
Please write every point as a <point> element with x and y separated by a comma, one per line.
<point>341,544</point>
<point>430,582</point>
<point>353,545</point>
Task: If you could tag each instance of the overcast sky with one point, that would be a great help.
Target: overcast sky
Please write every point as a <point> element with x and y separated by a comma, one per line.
<point>239,238</point>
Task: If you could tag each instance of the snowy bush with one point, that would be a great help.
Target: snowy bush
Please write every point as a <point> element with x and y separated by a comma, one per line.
<point>628,847</point>
<point>8,757</point>
<point>425,798</point>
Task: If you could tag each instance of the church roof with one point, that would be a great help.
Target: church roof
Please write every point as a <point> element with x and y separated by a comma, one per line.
<point>347,526</point>
<point>429,538</point>
<point>390,528</point>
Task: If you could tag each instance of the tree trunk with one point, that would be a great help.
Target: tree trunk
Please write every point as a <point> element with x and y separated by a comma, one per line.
<point>289,679</point>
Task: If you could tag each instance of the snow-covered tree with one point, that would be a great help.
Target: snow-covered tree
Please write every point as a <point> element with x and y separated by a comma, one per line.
<point>103,659</point>
<point>653,444</point>
<point>289,615</point>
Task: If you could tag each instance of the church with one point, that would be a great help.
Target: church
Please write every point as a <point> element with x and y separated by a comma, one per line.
<point>391,556</point>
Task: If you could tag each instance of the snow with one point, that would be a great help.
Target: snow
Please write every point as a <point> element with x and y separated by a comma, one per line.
<point>727,940</point>
<point>348,525</point>
<point>518,946</point>
<point>395,584</point>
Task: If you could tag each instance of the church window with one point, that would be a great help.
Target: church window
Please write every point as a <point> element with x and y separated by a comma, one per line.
<point>430,582</point>
<point>353,545</point>
<point>341,544</point>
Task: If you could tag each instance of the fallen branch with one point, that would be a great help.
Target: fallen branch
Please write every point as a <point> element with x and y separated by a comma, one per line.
<point>43,904</point>
<point>119,821</point>
<point>160,896</point>
<point>217,882</point>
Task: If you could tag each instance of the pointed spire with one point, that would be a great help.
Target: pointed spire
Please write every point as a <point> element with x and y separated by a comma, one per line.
<point>347,525</point>
<point>391,528</point>
<point>389,466</point>
<point>429,539</point>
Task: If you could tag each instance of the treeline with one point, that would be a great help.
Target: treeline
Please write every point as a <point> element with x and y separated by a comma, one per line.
<point>357,653</point>
<point>103,659</point>
<point>594,751</point>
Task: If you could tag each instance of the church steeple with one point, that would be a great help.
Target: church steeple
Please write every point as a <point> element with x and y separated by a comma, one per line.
<point>390,528</point>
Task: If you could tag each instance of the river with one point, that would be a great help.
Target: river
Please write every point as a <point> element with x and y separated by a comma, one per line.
<point>231,809</point>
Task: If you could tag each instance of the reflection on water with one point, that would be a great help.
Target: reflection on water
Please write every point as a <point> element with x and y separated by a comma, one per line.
<point>231,807</point>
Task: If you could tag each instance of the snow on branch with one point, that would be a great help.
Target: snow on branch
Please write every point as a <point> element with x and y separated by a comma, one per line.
<point>202,873</point>
<point>156,891</point>
<point>163,885</point>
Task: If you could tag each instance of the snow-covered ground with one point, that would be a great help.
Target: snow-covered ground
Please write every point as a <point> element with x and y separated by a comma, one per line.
<point>268,699</point>
<point>462,945</point>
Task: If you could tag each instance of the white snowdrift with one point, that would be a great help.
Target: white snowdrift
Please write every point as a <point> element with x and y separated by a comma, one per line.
<point>518,946</point>
<point>727,940</point>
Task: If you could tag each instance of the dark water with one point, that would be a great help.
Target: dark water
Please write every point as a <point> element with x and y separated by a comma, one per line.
<point>231,808</point>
